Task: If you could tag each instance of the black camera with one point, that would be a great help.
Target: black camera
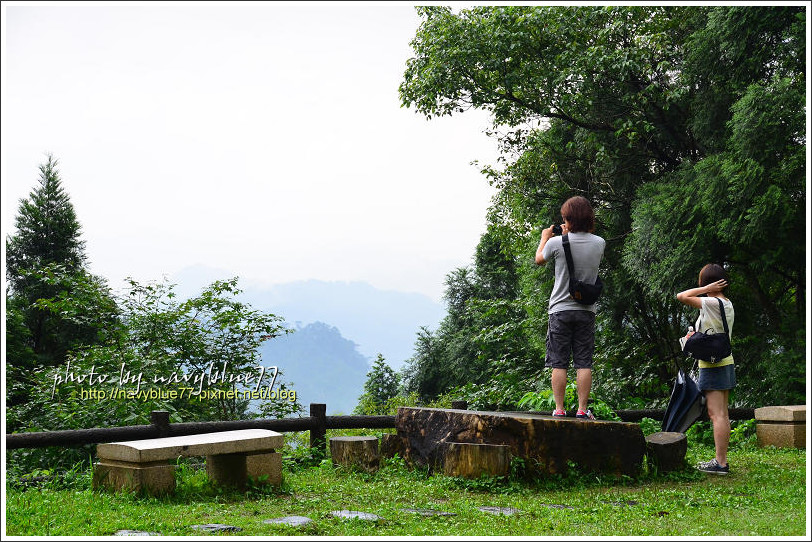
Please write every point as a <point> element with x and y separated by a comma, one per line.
<point>557,229</point>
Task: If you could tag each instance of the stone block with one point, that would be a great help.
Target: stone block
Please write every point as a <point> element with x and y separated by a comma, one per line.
<point>470,460</point>
<point>793,413</point>
<point>153,479</point>
<point>546,444</point>
<point>781,435</point>
<point>270,465</point>
<point>781,426</point>
<point>355,452</point>
<point>667,450</point>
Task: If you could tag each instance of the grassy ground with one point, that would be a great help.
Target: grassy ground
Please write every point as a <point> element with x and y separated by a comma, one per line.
<point>765,495</point>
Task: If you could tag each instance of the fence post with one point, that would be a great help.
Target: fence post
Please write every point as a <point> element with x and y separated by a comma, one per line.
<point>160,419</point>
<point>459,405</point>
<point>318,434</point>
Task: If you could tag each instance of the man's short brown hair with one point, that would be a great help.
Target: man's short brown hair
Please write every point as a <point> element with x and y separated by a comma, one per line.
<point>578,212</point>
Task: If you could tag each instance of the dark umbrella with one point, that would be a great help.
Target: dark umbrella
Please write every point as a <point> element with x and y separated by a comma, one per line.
<point>685,406</point>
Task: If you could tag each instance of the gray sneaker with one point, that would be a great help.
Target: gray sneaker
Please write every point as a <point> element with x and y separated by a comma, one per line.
<point>713,467</point>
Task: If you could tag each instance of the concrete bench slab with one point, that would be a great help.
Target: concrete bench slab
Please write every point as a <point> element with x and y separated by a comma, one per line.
<point>232,457</point>
<point>168,448</point>
<point>781,426</point>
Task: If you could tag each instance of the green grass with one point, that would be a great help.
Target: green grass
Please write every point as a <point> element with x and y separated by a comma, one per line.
<point>765,495</point>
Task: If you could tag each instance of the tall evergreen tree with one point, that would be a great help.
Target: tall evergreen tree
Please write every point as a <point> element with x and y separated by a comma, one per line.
<point>57,305</point>
<point>47,232</point>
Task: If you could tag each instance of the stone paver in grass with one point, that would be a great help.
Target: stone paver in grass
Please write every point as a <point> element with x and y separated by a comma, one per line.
<point>352,514</point>
<point>293,521</point>
<point>507,511</point>
<point>216,528</point>
<point>625,503</point>
<point>427,512</point>
<point>128,532</point>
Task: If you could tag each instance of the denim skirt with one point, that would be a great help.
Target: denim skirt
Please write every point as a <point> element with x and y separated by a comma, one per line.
<point>717,378</point>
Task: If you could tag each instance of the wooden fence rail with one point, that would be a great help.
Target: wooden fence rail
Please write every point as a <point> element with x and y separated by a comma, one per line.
<point>317,423</point>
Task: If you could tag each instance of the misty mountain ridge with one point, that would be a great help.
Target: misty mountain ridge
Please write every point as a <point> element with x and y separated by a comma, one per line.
<point>339,328</point>
<point>382,322</point>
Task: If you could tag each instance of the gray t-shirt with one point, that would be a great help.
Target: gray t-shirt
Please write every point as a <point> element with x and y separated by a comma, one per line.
<point>587,251</point>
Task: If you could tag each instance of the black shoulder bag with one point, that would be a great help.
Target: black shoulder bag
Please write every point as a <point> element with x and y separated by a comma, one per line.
<point>582,292</point>
<point>710,347</point>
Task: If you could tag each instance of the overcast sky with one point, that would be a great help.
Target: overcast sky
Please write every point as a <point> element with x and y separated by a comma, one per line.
<point>265,140</point>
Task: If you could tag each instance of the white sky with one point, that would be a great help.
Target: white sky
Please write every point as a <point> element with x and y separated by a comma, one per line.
<point>263,139</point>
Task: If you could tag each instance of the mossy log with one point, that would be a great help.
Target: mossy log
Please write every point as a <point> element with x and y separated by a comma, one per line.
<point>468,460</point>
<point>355,452</point>
<point>667,450</point>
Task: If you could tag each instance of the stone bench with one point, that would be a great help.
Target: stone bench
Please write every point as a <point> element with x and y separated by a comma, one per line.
<point>232,457</point>
<point>781,426</point>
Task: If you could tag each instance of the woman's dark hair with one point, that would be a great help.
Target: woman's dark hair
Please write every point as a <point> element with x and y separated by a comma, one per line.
<point>711,273</point>
<point>578,212</point>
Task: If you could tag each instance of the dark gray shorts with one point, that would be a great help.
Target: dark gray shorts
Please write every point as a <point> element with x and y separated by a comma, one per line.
<point>570,333</point>
<point>717,378</point>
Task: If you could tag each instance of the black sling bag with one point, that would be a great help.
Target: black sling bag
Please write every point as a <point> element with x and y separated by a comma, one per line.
<point>582,292</point>
<point>710,347</point>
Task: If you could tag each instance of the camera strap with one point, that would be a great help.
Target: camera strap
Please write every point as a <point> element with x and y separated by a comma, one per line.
<point>568,254</point>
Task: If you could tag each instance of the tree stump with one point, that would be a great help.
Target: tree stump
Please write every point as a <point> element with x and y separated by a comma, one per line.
<point>546,444</point>
<point>355,452</point>
<point>667,450</point>
<point>468,460</point>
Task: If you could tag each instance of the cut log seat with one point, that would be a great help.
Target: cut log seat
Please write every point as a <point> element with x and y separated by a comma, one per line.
<point>667,450</point>
<point>547,445</point>
<point>355,452</point>
<point>470,460</point>
<point>232,457</point>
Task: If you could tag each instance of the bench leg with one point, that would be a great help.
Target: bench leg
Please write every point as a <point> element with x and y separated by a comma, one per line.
<point>268,464</point>
<point>151,478</point>
<point>227,469</point>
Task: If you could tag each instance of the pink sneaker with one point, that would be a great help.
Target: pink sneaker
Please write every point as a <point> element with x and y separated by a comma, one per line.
<point>558,413</point>
<point>584,415</point>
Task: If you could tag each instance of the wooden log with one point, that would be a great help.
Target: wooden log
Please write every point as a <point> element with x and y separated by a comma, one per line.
<point>546,444</point>
<point>468,460</point>
<point>355,452</point>
<point>667,450</point>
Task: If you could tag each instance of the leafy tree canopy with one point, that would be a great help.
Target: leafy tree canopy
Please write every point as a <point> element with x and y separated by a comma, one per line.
<point>683,125</point>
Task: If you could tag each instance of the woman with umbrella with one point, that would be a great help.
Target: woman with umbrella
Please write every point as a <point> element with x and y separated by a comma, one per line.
<point>715,379</point>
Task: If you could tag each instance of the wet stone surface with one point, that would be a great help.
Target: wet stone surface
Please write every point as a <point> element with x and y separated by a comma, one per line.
<point>427,512</point>
<point>351,514</point>
<point>216,528</point>
<point>128,532</point>
<point>507,511</point>
<point>293,521</point>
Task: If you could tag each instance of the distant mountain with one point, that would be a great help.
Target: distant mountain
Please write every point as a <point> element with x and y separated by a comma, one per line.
<point>321,365</point>
<point>378,321</point>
